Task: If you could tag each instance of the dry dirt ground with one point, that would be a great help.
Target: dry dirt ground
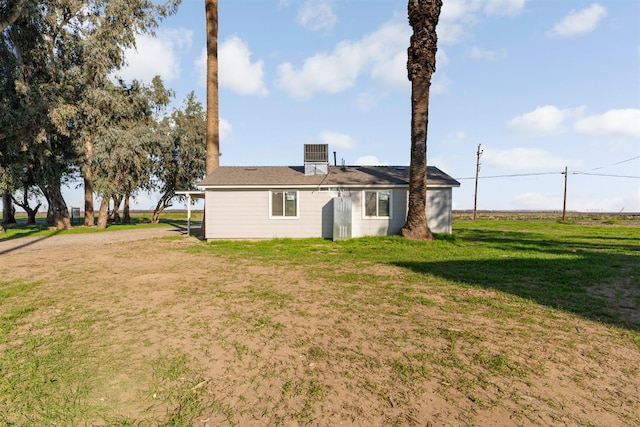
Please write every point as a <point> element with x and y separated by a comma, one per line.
<point>268,345</point>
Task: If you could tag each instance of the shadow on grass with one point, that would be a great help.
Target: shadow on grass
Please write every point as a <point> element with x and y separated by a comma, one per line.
<point>24,234</point>
<point>595,277</point>
<point>192,229</point>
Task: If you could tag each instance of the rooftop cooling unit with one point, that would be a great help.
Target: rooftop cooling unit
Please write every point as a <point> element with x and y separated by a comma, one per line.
<point>316,159</point>
<point>316,153</point>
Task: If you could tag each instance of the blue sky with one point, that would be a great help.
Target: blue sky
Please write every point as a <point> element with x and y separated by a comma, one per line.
<point>540,84</point>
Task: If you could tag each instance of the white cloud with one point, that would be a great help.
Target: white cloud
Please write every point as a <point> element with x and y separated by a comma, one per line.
<point>459,16</point>
<point>200,65</point>
<point>392,72</point>
<point>522,159</point>
<point>545,120</point>
<point>613,122</point>
<point>236,72</point>
<point>367,100</point>
<point>454,138</point>
<point>440,83</point>
<point>316,15</point>
<point>225,129</point>
<point>478,53</point>
<point>579,22</point>
<point>504,7</point>
<point>337,140</point>
<point>456,17</point>
<point>439,162</point>
<point>159,55</point>
<point>370,160</point>
<point>441,58</point>
<point>329,73</point>
<point>381,54</point>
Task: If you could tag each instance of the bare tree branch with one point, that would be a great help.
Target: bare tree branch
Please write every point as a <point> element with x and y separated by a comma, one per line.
<point>14,15</point>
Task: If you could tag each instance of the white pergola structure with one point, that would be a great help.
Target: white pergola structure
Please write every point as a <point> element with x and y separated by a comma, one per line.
<point>190,194</point>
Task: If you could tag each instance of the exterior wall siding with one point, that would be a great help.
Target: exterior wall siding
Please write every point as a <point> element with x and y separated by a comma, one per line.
<point>439,205</point>
<point>363,226</point>
<point>244,214</point>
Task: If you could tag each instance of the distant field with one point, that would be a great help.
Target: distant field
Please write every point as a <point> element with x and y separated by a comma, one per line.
<point>505,322</point>
<point>547,215</point>
<point>141,217</point>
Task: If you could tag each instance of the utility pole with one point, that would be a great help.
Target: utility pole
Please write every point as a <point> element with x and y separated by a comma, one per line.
<point>564,202</point>
<point>475,195</point>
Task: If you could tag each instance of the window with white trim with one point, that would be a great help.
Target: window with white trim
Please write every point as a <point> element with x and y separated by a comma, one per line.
<point>377,204</point>
<point>284,204</point>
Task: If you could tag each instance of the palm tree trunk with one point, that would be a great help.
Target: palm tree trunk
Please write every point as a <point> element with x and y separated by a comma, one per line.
<point>421,64</point>
<point>416,226</point>
<point>213,125</point>
<point>213,120</point>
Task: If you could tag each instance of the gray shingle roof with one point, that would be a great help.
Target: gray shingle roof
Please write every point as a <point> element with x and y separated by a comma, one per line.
<point>293,176</point>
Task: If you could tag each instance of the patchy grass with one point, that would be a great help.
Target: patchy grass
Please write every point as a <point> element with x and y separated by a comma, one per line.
<point>519,322</point>
<point>563,266</point>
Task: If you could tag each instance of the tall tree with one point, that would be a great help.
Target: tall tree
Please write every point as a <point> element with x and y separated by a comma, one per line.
<point>57,59</point>
<point>181,164</point>
<point>29,96</point>
<point>421,64</point>
<point>123,158</point>
<point>107,32</point>
<point>213,124</point>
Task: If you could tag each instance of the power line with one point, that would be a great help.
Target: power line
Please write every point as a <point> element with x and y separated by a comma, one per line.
<point>514,175</point>
<point>617,163</point>
<point>628,160</point>
<point>602,174</point>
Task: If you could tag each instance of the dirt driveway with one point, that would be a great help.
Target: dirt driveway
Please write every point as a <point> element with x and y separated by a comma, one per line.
<point>69,241</point>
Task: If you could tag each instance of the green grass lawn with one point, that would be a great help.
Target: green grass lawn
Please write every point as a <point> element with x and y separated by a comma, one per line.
<point>593,271</point>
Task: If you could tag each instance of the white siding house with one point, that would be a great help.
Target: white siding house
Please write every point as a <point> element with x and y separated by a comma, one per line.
<point>284,201</point>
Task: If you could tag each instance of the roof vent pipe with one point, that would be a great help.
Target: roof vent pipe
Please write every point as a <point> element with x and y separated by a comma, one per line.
<point>335,159</point>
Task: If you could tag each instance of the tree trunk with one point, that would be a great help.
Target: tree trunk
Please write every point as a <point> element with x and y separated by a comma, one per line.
<point>49,214</point>
<point>416,226</point>
<point>103,213</point>
<point>421,64</point>
<point>213,125</point>
<point>126,218</point>
<point>213,120</point>
<point>114,217</point>
<point>161,206</point>
<point>89,217</point>
<point>8,211</point>
<point>31,212</point>
<point>57,207</point>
